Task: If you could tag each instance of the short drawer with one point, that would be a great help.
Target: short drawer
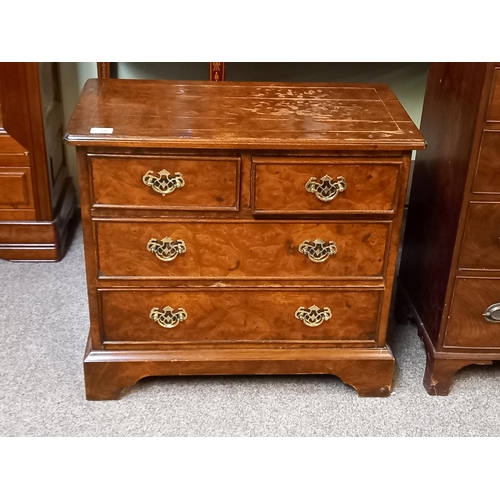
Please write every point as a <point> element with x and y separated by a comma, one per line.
<point>481,246</point>
<point>239,315</point>
<point>493,113</point>
<point>166,182</point>
<point>487,178</point>
<point>323,186</point>
<point>237,249</point>
<point>468,327</point>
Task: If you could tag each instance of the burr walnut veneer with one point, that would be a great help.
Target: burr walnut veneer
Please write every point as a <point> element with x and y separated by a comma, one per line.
<point>240,228</point>
<point>450,266</point>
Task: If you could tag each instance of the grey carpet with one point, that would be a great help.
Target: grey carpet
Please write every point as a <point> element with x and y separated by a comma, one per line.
<point>44,324</point>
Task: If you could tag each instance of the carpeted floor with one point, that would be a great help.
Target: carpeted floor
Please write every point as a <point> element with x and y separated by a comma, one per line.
<point>44,325</point>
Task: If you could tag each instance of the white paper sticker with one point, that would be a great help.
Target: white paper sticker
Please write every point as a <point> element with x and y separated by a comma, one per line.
<point>101,130</point>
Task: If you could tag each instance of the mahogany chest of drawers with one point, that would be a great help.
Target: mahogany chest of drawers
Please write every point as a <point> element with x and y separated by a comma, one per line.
<point>37,195</point>
<point>450,266</point>
<point>240,228</point>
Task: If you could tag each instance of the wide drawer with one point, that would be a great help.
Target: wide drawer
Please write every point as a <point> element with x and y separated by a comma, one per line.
<point>474,316</point>
<point>237,249</point>
<point>481,247</point>
<point>239,315</point>
<point>323,186</point>
<point>166,182</point>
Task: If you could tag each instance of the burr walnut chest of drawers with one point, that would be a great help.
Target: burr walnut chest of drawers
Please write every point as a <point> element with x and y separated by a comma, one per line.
<point>450,265</point>
<point>240,228</point>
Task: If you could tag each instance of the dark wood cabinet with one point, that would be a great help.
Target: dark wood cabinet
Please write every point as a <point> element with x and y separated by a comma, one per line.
<point>237,228</point>
<point>450,264</point>
<point>37,197</point>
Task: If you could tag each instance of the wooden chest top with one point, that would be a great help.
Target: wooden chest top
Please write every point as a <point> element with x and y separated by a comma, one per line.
<point>249,115</point>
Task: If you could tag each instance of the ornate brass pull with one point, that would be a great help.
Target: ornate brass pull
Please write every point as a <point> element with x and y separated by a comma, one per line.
<point>166,249</point>
<point>492,313</point>
<point>167,318</point>
<point>326,189</point>
<point>318,250</point>
<point>163,182</point>
<point>313,316</point>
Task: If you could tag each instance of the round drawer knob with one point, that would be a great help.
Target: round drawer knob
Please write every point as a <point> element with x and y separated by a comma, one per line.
<point>492,313</point>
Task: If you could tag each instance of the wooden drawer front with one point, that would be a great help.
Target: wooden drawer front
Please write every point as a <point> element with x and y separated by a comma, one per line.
<point>467,326</point>
<point>238,315</point>
<point>494,108</point>
<point>210,183</point>
<point>239,250</point>
<point>15,187</point>
<point>481,247</point>
<point>487,178</point>
<point>280,187</point>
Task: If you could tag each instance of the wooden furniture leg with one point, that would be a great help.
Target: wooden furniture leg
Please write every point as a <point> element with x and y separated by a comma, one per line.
<point>440,372</point>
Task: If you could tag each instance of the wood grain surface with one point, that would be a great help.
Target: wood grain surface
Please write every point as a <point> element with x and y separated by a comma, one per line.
<point>450,241</point>
<point>188,114</point>
<point>453,100</point>
<point>280,186</point>
<point>238,315</point>
<point>439,373</point>
<point>481,246</point>
<point>37,196</point>
<point>235,249</point>
<point>107,373</point>
<point>15,188</point>
<point>241,280</point>
<point>494,108</point>
<point>467,326</point>
<point>210,183</point>
<point>488,166</point>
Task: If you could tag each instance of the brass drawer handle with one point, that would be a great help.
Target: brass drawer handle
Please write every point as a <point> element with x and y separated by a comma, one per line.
<point>313,316</point>
<point>326,189</point>
<point>167,318</point>
<point>166,249</point>
<point>163,182</point>
<point>318,250</point>
<point>492,313</point>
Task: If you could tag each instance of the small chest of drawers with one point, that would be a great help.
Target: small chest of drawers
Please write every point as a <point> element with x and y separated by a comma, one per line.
<point>240,228</point>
